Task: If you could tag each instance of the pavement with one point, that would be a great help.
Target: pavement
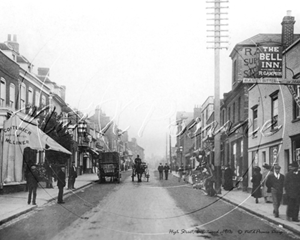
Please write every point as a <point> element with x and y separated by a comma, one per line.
<point>245,201</point>
<point>15,204</point>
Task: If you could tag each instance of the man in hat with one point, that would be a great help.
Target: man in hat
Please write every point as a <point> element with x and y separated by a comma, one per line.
<point>32,182</point>
<point>61,183</point>
<point>72,176</point>
<point>160,170</point>
<point>166,170</point>
<point>275,182</point>
<point>292,188</point>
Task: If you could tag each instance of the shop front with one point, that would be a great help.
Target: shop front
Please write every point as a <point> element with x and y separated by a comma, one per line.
<point>21,140</point>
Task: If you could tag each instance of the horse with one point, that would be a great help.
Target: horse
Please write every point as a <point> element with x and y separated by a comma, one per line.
<point>138,169</point>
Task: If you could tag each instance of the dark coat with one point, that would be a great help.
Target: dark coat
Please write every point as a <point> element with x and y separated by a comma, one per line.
<point>292,184</point>
<point>61,179</point>
<point>256,190</point>
<point>273,182</point>
<point>160,168</point>
<point>228,183</point>
<point>72,172</point>
<point>166,168</point>
<point>32,178</point>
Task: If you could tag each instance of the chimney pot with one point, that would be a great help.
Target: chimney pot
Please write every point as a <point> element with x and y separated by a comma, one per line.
<point>15,38</point>
<point>289,13</point>
<point>9,37</point>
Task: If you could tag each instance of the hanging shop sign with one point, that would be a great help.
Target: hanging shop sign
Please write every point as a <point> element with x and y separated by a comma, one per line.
<point>270,61</point>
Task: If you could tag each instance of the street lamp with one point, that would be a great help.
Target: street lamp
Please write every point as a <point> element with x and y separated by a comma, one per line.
<point>181,150</point>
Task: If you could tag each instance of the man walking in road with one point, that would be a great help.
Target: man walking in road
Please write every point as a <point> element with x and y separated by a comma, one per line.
<point>166,169</point>
<point>32,182</point>
<point>61,183</point>
<point>160,170</point>
<point>292,189</point>
<point>275,182</point>
<point>72,176</point>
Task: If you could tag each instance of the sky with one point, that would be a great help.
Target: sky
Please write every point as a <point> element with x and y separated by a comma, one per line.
<point>140,61</point>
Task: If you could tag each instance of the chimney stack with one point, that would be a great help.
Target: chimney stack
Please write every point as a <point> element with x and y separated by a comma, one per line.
<point>43,72</point>
<point>14,44</point>
<point>287,35</point>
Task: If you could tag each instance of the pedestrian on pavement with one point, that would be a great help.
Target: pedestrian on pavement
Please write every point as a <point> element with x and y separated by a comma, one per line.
<point>166,170</point>
<point>275,183</point>
<point>228,174</point>
<point>32,183</point>
<point>160,170</point>
<point>180,171</point>
<point>176,168</point>
<point>256,183</point>
<point>266,171</point>
<point>72,176</point>
<point>61,183</point>
<point>292,189</point>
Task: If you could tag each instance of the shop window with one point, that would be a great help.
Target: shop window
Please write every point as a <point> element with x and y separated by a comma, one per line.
<point>274,110</point>
<point>2,92</point>
<point>12,95</point>
<point>296,148</point>
<point>255,160</point>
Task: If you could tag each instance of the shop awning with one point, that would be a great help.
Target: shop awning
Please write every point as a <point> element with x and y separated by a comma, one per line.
<point>18,134</point>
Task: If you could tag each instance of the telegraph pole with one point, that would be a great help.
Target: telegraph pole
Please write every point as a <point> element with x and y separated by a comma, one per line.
<point>217,46</point>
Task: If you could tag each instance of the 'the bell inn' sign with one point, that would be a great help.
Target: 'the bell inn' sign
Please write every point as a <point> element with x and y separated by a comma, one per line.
<point>270,61</point>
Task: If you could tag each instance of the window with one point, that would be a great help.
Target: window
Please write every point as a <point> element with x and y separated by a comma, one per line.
<point>233,113</point>
<point>254,117</point>
<point>223,117</point>
<point>12,95</point>
<point>22,97</point>
<point>264,158</point>
<point>296,109</point>
<point>273,154</point>
<point>274,110</point>
<point>37,99</point>
<point>229,117</point>
<point>239,109</point>
<point>234,72</point>
<point>43,101</point>
<point>2,92</point>
<point>30,96</point>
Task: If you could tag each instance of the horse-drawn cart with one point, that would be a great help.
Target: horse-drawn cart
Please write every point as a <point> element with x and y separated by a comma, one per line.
<point>139,169</point>
<point>109,167</point>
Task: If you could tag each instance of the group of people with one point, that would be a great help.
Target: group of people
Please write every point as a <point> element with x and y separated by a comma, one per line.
<point>161,169</point>
<point>273,184</point>
<point>33,178</point>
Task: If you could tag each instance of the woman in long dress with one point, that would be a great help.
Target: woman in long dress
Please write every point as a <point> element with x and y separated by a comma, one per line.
<point>256,184</point>
<point>266,171</point>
